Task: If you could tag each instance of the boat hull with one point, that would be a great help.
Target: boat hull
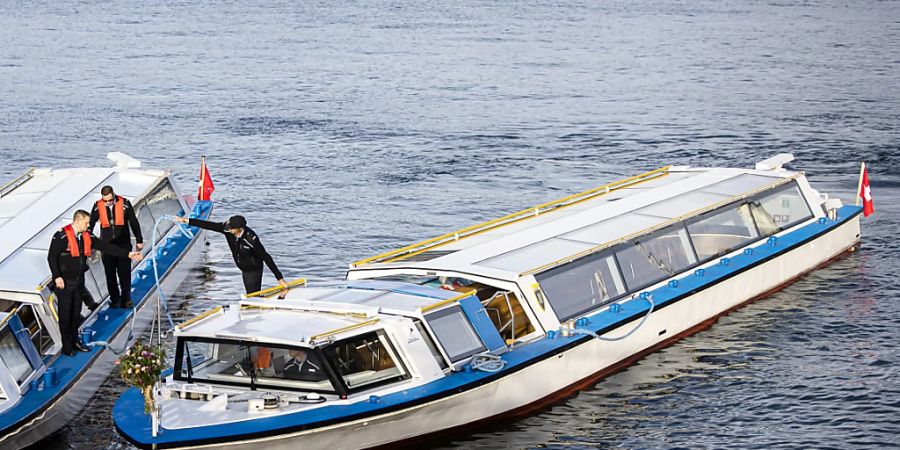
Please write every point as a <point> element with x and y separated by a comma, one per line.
<point>71,402</point>
<point>572,367</point>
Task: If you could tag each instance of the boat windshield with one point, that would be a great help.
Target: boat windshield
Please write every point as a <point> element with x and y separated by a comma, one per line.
<point>365,361</point>
<point>251,365</point>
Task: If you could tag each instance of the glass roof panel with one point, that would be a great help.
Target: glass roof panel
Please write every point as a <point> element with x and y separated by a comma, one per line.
<point>535,255</point>
<point>614,228</point>
<point>740,184</point>
<point>682,204</point>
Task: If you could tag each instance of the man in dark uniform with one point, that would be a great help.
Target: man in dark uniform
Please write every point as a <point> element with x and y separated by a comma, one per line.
<point>300,366</point>
<point>69,250</point>
<point>248,253</point>
<point>116,215</point>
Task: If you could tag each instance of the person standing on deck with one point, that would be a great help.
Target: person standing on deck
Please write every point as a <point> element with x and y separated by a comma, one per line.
<point>69,250</point>
<point>246,249</point>
<point>116,215</point>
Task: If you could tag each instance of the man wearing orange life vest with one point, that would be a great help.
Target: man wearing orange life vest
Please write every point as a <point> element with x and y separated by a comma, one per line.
<point>69,250</point>
<point>116,215</point>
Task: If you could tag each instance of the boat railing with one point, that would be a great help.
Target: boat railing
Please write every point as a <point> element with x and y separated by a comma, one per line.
<point>18,181</point>
<point>535,211</point>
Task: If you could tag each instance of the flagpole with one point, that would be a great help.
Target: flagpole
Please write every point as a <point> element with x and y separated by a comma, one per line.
<point>203,176</point>
<point>862,169</point>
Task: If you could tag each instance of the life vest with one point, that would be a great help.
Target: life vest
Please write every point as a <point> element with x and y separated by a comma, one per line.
<point>263,358</point>
<point>119,212</point>
<point>73,243</point>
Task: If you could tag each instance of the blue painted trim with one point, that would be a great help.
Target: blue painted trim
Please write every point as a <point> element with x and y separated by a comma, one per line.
<point>108,326</point>
<point>22,336</point>
<point>482,323</point>
<point>134,425</point>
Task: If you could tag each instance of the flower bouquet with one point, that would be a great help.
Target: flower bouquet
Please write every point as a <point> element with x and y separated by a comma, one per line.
<point>140,367</point>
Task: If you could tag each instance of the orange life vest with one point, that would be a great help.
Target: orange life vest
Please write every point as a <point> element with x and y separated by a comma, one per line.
<point>263,358</point>
<point>73,243</point>
<point>119,212</point>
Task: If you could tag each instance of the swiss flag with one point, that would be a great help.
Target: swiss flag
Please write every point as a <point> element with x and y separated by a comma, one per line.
<point>865,193</point>
<point>206,184</point>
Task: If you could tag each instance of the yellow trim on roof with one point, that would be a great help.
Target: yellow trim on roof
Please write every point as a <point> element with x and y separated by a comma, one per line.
<point>447,301</point>
<point>343,329</point>
<point>268,292</point>
<point>428,244</point>
<point>184,325</point>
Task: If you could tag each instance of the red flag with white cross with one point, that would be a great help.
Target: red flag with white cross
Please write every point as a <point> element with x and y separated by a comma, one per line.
<point>865,192</point>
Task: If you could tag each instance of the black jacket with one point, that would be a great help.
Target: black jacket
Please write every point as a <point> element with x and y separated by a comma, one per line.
<point>248,253</point>
<point>118,234</point>
<point>63,264</point>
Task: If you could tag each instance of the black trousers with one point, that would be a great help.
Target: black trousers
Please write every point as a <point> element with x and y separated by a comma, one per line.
<point>252,279</point>
<point>69,305</point>
<point>118,273</point>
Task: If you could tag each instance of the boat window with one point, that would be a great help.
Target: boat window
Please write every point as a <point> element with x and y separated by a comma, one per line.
<point>651,258</point>
<point>722,231</point>
<point>162,201</point>
<point>430,343</point>
<point>582,285</point>
<point>364,361</point>
<point>780,210</point>
<point>41,339</point>
<point>146,221</point>
<point>12,355</point>
<point>253,366</point>
<point>455,333</point>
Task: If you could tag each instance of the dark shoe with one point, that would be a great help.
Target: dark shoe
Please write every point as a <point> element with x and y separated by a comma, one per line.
<point>128,304</point>
<point>81,347</point>
<point>68,352</point>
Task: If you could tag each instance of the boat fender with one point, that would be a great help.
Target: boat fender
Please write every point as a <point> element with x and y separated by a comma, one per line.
<point>673,283</point>
<point>375,398</point>
<point>748,251</point>
<point>699,272</point>
<point>823,220</point>
<point>773,240</point>
<point>724,261</point>
<point>551,334</point>
<point>614,308</point>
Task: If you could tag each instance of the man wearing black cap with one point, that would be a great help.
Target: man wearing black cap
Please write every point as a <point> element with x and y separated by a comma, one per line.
<point>248,253</point>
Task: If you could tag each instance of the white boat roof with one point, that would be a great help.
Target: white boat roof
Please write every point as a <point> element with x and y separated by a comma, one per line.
<point>520,246</point>
<point>308,312</point>
<point>40,202</point>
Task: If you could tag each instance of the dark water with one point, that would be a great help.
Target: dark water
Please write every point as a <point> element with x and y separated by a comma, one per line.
<point>342,129</point>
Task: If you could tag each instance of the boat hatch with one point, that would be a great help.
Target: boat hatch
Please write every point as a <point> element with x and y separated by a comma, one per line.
<point>464,329</point>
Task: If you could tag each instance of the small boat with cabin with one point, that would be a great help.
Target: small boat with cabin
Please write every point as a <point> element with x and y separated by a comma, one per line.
<point>40,388</point>
<point>491,321</point>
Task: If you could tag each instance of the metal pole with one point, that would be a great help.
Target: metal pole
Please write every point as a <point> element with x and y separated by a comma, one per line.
<point>862,170</point>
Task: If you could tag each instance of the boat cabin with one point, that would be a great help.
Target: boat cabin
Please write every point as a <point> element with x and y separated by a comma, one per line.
<point>537,268</point>
<point>337,340</point>
<point>33,207</point>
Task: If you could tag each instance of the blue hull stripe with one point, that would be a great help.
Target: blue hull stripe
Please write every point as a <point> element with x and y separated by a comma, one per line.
<point>134,425</point>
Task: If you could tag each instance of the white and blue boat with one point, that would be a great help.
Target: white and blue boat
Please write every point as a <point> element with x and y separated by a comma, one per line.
<point>41,389</point>
<point>494,320</point>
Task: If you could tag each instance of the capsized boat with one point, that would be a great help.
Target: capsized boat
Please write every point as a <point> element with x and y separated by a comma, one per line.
<point>41,389</point>
<point>494,320</point>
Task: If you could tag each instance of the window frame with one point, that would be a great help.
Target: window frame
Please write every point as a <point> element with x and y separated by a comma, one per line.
<point>338,388</point>
<point>392,351</point>
<point>601,255</point>
<point>454,309</point>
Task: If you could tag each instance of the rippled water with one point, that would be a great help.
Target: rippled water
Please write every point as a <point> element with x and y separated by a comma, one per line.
<point>345,128</point>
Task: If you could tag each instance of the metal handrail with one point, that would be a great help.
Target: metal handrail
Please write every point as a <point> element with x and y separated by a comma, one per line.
<point>428,244</point>
<point>18,181</point>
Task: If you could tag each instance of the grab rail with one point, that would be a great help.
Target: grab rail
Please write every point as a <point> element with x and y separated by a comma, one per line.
<point>18,181</point>
<point>428,244</point>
